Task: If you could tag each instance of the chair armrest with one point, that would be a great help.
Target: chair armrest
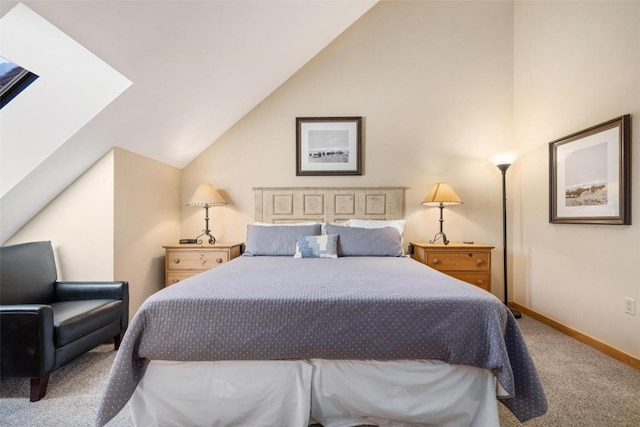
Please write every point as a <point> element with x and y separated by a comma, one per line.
<point>26,340</point>
<point>73,291</point>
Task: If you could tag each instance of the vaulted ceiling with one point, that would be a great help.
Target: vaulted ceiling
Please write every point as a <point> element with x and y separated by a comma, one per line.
<point>195,67</point>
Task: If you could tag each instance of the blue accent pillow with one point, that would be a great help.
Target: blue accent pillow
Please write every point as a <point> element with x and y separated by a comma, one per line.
<point>325,246</point>
<point>276,240</point>
<point>355,241</point>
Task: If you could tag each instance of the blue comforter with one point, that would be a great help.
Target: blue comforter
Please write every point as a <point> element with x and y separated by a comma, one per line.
<point>380,308</point>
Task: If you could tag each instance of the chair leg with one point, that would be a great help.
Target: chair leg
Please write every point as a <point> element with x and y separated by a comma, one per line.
<point>38,388</point>
<point>116,341</point>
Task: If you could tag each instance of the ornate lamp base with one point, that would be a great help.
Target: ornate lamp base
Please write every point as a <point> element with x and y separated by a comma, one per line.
<point>438,236</point>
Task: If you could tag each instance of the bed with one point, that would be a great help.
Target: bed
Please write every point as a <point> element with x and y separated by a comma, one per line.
<point>325,324</point>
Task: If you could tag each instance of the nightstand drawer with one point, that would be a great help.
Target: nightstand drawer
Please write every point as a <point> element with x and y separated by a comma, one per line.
<point>184,261</point>
<point>177,276</point>
<point>471,260</point>
<point>196,259</point>
<point>481,280</point>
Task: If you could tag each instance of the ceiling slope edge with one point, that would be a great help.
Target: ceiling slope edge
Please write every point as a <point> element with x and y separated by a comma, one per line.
<point>73,87</point>
<point>63,164</point>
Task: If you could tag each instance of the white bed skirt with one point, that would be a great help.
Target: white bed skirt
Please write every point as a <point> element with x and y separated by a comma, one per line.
<point>296,393</point>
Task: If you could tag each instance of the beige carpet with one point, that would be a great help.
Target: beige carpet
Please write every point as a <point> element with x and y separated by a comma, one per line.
<point>584,387</point>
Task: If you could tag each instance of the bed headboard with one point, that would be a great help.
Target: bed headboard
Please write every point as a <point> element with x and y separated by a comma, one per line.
<point>327,204</point>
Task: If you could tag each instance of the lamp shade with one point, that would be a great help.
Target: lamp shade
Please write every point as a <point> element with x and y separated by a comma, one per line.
<point>441,195</point>
<point>206,195</point>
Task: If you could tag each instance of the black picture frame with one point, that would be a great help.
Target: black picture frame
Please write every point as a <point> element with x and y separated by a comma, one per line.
<point>328,145</point>
<point>590,175</point>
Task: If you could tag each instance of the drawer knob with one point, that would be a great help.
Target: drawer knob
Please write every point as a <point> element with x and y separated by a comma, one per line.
<point>176,260</point>
<point>176,280</point>
<point>436,261</point>
<point>479,262</point>
<point>219,260</point>
<point>479,282</point>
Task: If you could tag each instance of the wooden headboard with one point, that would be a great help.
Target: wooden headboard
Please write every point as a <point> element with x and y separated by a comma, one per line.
<point>327,204</point>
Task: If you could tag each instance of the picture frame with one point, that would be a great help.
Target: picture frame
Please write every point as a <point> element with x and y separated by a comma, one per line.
<point>590,175</point>
<point>328,146</point>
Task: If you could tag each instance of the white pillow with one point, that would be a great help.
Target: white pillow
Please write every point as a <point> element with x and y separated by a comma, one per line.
<point>398,224</point>
<point>273,224</point>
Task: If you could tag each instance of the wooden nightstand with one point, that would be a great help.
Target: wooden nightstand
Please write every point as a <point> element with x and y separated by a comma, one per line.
<point>182,261</point>
<point>468,262</point>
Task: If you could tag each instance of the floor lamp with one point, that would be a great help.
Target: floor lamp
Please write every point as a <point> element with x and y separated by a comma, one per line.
<point>503,168</point>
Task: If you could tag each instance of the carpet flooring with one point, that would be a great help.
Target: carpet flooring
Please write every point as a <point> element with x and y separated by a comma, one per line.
<point>585,388</point>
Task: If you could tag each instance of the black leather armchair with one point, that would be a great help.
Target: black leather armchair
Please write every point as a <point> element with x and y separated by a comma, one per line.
<point>45,323</point>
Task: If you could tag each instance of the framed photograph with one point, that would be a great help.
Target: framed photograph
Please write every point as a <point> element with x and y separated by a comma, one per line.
<point>328,146</point>
<point>590,175</point>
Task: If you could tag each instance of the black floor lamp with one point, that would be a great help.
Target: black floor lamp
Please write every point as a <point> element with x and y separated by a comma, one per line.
<point>503,168</point>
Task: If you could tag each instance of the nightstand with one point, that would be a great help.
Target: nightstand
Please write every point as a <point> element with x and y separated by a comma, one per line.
<point>468,262</point>
<point>183,261</point>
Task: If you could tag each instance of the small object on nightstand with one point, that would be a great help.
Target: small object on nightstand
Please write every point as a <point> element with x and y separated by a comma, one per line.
<point>466,261</point>
<point>468,242</point>
<point>188,241</point>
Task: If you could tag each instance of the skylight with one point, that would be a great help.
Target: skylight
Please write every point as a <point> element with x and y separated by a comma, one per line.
<point>13,80</point>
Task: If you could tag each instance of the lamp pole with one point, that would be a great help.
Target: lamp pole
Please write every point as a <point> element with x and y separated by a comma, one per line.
<point>441,233</point>
<point>503,168</point>
<point>206,230</point>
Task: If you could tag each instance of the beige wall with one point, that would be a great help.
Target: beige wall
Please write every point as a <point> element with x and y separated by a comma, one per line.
<point>577,64</point>
<point>79,224</point>
<point>147,216</point>
<point>443,87</point>
<point>111,223</point>
<point>433,82</point>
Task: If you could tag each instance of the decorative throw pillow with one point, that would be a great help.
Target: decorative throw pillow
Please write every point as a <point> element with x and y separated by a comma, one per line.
<point>276,240</point>
<point>355,241</point>
<point>325,246</point>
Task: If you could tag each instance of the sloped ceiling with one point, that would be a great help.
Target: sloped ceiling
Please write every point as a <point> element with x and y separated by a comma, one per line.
<point>196,67</point>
